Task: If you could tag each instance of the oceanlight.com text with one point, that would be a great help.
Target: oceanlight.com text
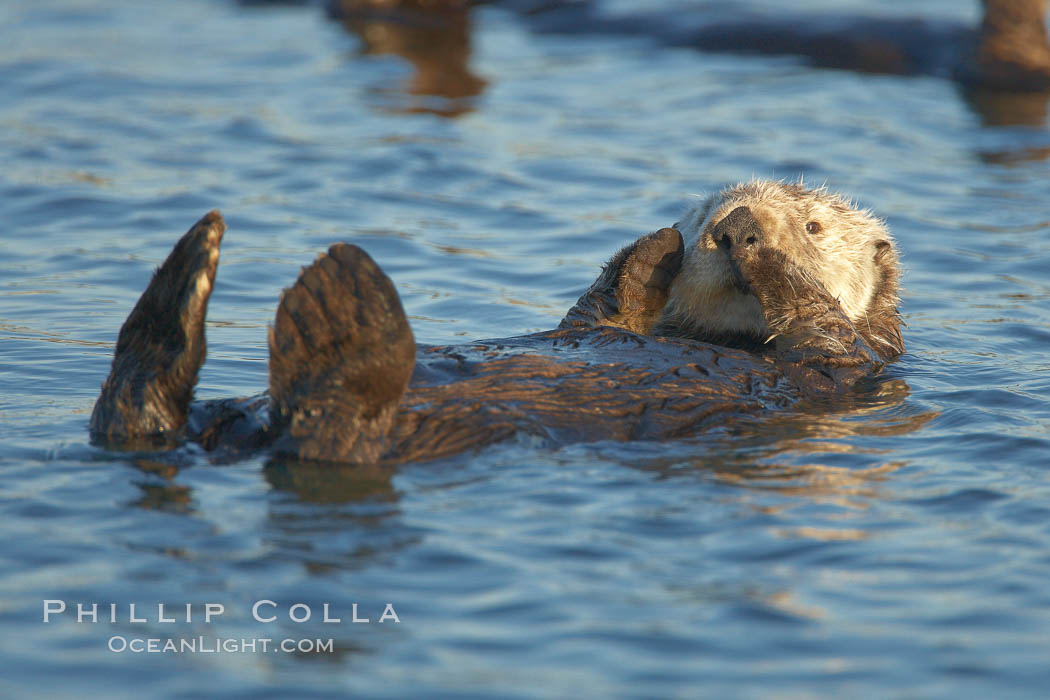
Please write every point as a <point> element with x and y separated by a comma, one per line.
<point>119,644</point>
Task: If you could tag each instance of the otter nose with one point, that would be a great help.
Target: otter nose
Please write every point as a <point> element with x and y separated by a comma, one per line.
<point>738,228</point>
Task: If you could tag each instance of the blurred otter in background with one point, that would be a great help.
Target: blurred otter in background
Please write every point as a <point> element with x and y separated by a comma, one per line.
<point>1008,51</point>
<point>1013,52</point>
<point>1002,65</point>
<point>433,36</point>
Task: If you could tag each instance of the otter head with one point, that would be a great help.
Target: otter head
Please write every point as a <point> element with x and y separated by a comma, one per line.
<point>847,250</point>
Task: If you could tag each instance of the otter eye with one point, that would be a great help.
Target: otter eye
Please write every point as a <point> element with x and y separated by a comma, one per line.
<point>814,227</point>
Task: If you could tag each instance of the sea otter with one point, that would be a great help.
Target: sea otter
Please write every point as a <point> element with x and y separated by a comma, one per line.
<point>774,293</point>
<point>1008,51</point>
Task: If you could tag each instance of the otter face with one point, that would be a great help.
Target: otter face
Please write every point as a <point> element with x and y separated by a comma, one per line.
<point>846,250</point>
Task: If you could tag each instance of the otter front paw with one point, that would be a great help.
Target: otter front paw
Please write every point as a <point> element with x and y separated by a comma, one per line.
<point>765,272</point>
<point>790,297</point>
<point>632,290</point>
<point>807,323</point>
<point>645,278</point>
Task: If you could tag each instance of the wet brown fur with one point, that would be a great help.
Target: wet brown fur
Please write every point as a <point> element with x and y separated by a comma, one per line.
<point>161,346</point>
<point>341,356</point>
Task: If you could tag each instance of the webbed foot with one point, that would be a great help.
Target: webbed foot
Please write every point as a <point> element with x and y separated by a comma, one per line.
<point>632,290</point>
<point>161,347</point>
<point>341,356</point>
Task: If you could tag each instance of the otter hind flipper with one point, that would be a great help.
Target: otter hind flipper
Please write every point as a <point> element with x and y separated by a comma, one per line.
<point>632,290</point>
<point>341,356</point>
<point>161,346</point>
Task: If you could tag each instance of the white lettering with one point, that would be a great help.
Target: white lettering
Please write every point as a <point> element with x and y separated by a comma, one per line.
<point>327,618</point>
<point>303,606</point>
<point>215,609</point>
<point>389,614</point>
<point>50,608</point>
<point>259,604</point>
<point>82,612</point>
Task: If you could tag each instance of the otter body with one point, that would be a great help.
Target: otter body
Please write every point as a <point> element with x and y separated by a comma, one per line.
<point>1008,51</point>
<point>780,293</point>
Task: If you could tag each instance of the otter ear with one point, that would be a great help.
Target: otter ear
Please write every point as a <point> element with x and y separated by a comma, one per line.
<point>882,249</point>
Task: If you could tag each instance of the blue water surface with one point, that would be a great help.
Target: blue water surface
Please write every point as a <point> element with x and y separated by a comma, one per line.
<point>897,547</point>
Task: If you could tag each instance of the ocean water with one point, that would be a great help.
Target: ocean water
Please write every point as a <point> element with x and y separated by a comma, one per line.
<point>897,547</point>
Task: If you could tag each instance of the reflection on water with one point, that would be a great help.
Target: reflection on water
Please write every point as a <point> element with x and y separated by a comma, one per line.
<point>162,492</point>
<point>171,498</point>
<point>434,38</point>
<point>776,451</point>
<point>1006,109</point>
<point>332,483</point>
<point>998,108</point>
<point>780,454</point>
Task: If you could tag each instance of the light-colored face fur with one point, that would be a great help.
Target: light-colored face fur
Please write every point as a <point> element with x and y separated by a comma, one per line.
<point>838,249</point>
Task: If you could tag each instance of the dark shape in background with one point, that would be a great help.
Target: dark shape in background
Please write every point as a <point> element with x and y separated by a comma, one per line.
<point>1002,65</point>
<point>434,37</point>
